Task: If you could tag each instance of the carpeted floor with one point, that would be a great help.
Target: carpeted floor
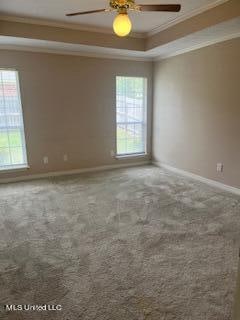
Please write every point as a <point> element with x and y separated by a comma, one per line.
<point>129,244</point>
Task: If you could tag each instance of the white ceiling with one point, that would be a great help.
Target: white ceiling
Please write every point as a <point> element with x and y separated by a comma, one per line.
<point>55,10</point>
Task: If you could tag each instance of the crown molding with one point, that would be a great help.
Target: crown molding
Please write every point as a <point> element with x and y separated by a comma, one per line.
<point>65,25</point>
<point>52,47</point>
<point>115,56</point>
<point>79,53</point>
<point>184,17</point>
<point>198,46</point>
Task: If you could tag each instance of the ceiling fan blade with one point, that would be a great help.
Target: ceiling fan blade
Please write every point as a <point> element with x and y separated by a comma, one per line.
<point>160,7</point>
<point>85,12</point>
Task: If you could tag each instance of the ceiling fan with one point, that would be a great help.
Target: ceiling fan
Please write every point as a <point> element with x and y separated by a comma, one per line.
<point>122,24</point>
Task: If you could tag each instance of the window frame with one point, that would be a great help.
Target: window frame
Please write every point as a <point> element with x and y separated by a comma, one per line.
<point>145,123</point>
<point>25,165</point>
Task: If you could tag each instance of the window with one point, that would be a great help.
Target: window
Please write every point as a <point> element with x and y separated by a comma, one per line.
<point>131,115</point>
<point>12,140</point>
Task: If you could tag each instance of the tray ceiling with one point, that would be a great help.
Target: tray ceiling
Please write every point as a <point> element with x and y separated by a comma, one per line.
<point>55,10</point>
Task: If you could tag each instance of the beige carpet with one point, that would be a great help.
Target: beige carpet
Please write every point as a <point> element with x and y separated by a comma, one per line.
<point>132,244</point>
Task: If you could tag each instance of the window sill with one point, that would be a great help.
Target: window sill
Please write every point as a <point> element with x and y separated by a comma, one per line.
<point>131,156</point>
<point>14,169</point>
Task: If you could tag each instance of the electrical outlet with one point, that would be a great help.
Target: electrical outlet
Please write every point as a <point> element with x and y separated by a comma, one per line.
<point>219,167</point>
<point>45,160</point>
<point>65,157</point>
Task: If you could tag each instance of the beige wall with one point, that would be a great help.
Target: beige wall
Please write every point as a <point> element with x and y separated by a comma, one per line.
<point>69,107</point>
<point>196,113</point>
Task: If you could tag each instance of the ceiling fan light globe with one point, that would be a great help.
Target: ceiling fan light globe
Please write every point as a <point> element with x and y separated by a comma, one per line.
<point>122,25</point>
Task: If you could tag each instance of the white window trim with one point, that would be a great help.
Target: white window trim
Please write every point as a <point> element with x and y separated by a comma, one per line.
<point>25,165</point>
<point>145,153</point>
<point>14,168</point>
<point>131,155</point>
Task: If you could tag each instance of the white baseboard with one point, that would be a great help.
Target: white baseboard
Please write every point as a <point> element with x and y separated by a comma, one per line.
<point>187,174</point>
<point>72,172</point>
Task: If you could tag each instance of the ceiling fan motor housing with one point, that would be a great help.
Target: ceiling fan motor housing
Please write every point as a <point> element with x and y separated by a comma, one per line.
<point>122,4</point>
